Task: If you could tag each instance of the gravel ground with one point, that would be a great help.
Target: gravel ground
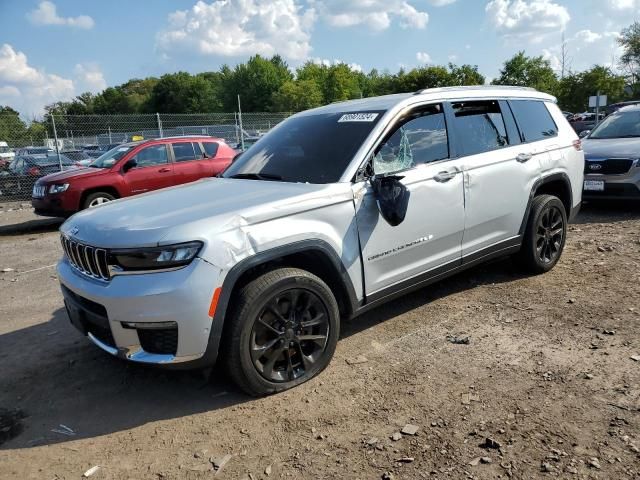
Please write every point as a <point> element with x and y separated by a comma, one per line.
<point>546,387</point>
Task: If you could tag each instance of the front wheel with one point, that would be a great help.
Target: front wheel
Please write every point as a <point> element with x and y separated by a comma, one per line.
<point>283,331</point>
<point>96,199</point>
<point>545,235</point>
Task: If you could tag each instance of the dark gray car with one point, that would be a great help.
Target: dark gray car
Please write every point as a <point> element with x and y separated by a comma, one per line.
<point>612,153</point>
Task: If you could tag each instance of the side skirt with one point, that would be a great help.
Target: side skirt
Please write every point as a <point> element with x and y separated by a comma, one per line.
<point>502,249</point>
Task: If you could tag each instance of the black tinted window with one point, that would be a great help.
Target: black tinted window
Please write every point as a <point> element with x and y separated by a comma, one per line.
<point>479,126</point>
<point>210,148</point>
<point>421,138</point>
<point>313,148</point>
<point>533,119</point>
<point>185,151</point>
<point>154,155</point>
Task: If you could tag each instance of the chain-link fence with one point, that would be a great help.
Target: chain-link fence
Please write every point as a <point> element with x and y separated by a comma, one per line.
<point>31,150</point>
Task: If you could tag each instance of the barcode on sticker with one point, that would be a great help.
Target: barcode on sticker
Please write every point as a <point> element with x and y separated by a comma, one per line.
<point>358,117</point>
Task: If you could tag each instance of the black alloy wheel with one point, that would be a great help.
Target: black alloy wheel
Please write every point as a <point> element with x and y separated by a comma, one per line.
<point>289,335</point>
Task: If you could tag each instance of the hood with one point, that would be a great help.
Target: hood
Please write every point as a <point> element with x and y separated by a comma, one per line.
<point>72,173</point>
<point>611,148</point>
<point>197,211</point>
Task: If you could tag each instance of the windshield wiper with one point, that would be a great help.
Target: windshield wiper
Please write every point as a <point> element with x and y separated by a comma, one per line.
<point>256,176</point>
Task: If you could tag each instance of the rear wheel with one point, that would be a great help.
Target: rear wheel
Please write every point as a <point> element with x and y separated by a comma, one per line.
<point>97,198</point>
<point>545,235</point>
<point>283,331</point>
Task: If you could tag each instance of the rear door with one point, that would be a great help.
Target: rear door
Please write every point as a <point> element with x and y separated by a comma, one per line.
<point>499,172</point>
<point>190,162</point>
<point>153,170</point>
<point>220,156</point>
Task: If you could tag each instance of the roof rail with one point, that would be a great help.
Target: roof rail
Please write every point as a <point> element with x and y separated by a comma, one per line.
<point>473,87</point>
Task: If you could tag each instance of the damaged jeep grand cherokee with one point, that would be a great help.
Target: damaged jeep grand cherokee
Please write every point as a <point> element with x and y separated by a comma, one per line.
<point>333,212</point>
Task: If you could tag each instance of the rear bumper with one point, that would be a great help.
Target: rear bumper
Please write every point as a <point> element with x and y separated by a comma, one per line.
<point>159,318</point>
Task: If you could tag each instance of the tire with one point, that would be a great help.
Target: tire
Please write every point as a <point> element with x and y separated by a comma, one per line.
<point>267,347</point>
<point>97,198</point>
<point>544,236</point>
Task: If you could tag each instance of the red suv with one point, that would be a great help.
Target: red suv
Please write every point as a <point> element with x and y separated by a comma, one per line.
<point>129,169</point>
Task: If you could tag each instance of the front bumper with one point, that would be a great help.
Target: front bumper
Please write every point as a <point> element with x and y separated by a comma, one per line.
<point>50,206</point>
<point>159,318</point>
<point>613,189</point>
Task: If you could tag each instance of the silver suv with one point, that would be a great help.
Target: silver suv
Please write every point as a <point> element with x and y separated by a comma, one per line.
<point>332,213</point>
<point>612,153</point>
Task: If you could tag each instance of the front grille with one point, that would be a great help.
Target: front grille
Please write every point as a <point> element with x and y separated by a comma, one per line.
<point>39,191</point>
<point>611,166</point>
<point>89,260</point>
<point>159,340</point>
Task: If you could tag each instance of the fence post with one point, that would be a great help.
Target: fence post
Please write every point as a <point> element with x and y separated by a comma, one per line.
<point>159,125</point>
<point>110,141</point>
<point>55,136</point>
<point>240,118</point>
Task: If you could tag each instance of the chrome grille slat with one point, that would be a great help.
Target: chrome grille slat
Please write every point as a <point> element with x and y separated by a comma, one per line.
<point>88,260</point>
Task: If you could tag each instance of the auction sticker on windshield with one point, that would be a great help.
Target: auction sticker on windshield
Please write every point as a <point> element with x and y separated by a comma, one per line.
<point>358,117</point>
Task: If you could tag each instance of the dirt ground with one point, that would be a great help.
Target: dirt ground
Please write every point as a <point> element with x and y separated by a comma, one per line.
<point>547,386</point>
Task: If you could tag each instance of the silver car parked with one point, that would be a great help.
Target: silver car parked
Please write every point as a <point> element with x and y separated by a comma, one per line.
<point>612,154</point>
<point>335,211</point>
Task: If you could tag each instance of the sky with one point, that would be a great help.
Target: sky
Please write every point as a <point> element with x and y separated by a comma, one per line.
<point>56,49</point>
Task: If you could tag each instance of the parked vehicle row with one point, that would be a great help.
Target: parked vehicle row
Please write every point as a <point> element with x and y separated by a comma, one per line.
<point>335,211</point>
<point>130,169</point>
<point>19,177</point>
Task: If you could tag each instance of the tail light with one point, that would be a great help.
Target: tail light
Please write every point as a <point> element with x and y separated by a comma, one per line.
<point>34,171</point>
<point>577,144</point>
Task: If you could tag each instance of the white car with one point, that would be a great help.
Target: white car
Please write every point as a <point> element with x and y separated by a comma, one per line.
<point>333,212</point>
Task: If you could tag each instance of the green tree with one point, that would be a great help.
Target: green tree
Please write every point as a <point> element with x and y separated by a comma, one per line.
<point>465,75</point>
<point>255,81</point>
<point>524,71</point>
<point>424,77</point>
<point>12,128</point>
<point>629,40</point>
<point>574,90</point>
<point>182,93</point>
<point>341,83</point>
<point>298,95</point>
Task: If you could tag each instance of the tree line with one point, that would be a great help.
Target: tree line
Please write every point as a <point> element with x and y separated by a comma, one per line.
<point>269,85</point>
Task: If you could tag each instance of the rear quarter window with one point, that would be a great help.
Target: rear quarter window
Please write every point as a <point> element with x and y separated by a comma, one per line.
<point>210,148</point>
<point>534,120</point>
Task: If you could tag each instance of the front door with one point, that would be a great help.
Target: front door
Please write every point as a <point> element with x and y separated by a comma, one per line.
<point>431,233</point>
<point>152,171</point>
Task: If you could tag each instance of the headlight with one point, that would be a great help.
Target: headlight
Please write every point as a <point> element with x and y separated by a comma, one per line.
<point>58,188</point>
<point>155,258</point>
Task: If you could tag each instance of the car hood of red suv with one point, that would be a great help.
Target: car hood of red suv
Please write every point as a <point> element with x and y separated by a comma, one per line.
<point>63,177</point>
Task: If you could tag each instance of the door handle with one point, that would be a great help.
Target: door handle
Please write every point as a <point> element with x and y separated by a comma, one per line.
<point>164,170</point>
<point>445,176</point>
<point>524,157</point>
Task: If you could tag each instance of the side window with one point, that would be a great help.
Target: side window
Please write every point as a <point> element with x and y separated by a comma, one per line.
<point>153,155</point>
<point>420,138</point>
<point>533,119</point>
<point>185,151</point>
<point>479,126</point>
<point>210,148</point>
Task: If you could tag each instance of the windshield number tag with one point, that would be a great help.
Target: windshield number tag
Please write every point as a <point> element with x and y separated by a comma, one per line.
<point>358,117</point>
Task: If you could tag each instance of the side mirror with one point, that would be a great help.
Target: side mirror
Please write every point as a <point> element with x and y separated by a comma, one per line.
<point>392,198</point>
<point>131,163</point>
<point>584,133</point>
